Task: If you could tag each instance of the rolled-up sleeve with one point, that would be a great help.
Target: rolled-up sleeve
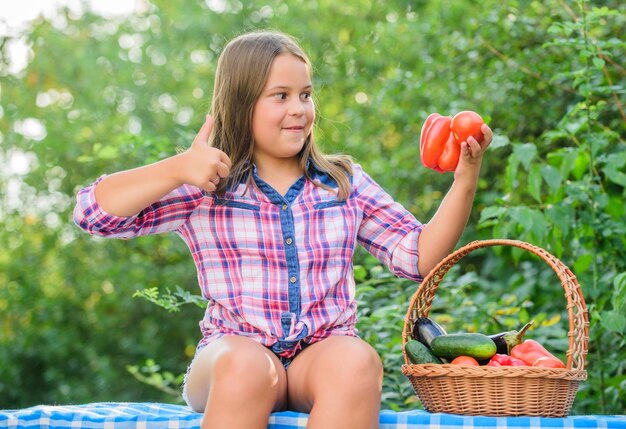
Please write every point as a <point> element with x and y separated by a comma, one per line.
<point>388,231</point>
<point>165,215</point>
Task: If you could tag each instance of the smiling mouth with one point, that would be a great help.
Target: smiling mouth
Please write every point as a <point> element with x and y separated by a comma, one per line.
<point>296,128</point>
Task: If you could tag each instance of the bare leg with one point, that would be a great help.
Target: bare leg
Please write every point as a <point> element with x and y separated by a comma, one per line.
<point>237,383</point>
<point>338,381</point>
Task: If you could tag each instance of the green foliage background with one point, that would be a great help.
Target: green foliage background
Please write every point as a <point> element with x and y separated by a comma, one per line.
<point>111,94</point>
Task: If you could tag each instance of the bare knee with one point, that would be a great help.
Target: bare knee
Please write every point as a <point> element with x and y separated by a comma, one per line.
<point>345,357</point>
<point>339,382</point>
<point>245,372</point>
<point>337,370</point>
<point>235,370</point>
<point>359,365</point>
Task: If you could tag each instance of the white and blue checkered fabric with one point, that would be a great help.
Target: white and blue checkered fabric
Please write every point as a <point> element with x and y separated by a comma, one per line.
<point>115,415</point>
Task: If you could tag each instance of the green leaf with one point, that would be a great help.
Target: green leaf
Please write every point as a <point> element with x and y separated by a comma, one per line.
<point>616,160</point>
<point>581,165</point>
<point>523,316</point>
<point>556,28</point>
<point>598,63</point>
<point>619,292</point>
<point>499,141</point>
<point>552,177</point>
<point>491,212</point>
<point>560,217</point>
<point>523,216</point>
<point>510,174</point>
<point>539,225</point>
<point>525,152</point>
<point>568,162</point>
<point>615,176</point>
<point>360,273</point>
<point>534,183</point>
<point>615,207</point>
<point>583,262</point>
<point>613,321</point>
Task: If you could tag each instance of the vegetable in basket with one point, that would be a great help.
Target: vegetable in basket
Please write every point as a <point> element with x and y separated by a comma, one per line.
<point>425,330</point>
<point>476,345</point>
<point>464,360</point>
<point>505,360</point>
<point>418,353</point>
<point>505,341</point>
<point>534,354</point>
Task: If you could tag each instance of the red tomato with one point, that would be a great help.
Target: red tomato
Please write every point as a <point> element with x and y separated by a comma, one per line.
<point>465,360</point>
<point>466,124</point>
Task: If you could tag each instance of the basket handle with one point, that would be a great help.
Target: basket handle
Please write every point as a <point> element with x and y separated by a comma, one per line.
<point>576,309</point>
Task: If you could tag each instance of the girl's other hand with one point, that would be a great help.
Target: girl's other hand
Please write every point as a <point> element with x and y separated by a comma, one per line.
<point>472,154</point>
<point>204,166</point>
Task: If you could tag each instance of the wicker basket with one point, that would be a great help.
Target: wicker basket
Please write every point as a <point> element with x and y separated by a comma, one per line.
<point>500,391</point>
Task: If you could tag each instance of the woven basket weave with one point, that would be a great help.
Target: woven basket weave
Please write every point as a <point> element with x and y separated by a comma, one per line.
<point>500,391</point>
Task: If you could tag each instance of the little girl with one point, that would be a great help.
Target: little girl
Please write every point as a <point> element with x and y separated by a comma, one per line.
<point>272,225</point>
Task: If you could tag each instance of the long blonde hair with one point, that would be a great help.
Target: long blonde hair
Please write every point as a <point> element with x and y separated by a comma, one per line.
<point>242,70</point>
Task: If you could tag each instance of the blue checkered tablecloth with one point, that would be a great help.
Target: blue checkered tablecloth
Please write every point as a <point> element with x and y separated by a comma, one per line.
<point>117,415</point>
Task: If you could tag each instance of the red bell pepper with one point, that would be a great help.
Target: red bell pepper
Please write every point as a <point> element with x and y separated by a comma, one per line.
<point>505,360</point>
<point>439,150</point>
<point>534,354</point>
<point>548,362</point>
<point>441,138</point>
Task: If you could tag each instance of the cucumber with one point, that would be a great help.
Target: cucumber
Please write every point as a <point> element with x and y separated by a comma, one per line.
<point>418,353</point>
<point>449,346</point>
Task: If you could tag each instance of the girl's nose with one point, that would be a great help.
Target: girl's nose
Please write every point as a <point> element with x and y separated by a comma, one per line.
<point>296,108</point>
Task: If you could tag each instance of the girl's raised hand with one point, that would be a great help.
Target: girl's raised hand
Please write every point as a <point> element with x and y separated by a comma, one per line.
<point>204,166</point>
<point>472,154</point>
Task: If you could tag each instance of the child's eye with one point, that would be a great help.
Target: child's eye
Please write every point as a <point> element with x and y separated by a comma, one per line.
<point>280,95</point>
<point>306,96</point>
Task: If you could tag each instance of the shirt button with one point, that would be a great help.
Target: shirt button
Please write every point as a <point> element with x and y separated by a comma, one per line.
<point>292,279</point>
<point>288,241</point>
<point>285,207</point>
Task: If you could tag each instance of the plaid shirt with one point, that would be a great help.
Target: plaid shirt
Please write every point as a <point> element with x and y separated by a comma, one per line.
<point>275,268</point>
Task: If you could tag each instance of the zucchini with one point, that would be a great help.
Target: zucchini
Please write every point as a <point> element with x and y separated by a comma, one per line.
<point>418,353</point>
<point>476,345</point>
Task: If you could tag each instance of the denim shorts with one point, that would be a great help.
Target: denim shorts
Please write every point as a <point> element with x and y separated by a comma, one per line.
<point>287,361</point>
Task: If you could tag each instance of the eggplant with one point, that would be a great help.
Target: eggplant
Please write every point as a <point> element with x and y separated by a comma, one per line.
<point>425,330</point>
<point>505,341</point>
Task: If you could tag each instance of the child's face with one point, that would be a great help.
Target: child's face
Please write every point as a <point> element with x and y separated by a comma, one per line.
<point>284,113</point>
